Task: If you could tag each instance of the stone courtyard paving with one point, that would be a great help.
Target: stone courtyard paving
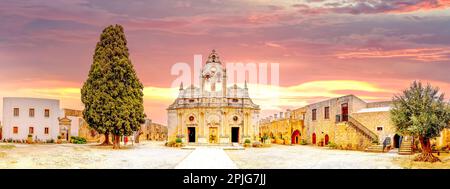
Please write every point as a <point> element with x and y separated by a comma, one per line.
<point>207,158</point>
<point>147,155</point>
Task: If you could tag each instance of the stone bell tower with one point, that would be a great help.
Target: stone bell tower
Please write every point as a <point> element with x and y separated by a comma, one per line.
<point>213,75</point>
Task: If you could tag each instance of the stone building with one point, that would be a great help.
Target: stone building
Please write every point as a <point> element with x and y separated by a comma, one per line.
<point>153,131</point>
<point>74,123</point>
<point>213,112</point>
<point>347,121</point>
<point>285,127</point>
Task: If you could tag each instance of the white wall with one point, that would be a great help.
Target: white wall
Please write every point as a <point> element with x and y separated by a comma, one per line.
<point>24,121</point>
<point>74,125</point>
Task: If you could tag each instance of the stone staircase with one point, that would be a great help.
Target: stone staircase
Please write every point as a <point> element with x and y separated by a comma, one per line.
<point>361,128</point>
<point>375,148</point>
<point>406,147</point>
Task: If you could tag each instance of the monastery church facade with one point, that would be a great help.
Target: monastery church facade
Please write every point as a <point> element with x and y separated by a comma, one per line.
<point>213,113</point>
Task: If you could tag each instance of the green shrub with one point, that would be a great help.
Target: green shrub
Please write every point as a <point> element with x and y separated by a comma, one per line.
<point>247,141</point>
<point>178,140</point>
<point>78,140</point>
<point>29,136</point>
<point>332,145</point>
<point>303,142</point>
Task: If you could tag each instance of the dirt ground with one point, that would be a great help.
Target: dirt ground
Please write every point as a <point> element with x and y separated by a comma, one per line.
<point>147,155</point>
<point>154,155</point>
<point>408,163</point>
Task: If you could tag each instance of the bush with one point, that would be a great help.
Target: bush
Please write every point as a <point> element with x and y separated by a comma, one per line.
<point>170,143</point>
<point>303,142</point>
<point>77,140</point>
<point>50,141</point>
<point>332,145</point>
<point>247,141</point>
<point>29,136</point>
<point>178,140</point>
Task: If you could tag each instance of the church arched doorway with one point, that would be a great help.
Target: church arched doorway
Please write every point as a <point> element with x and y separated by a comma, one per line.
<point>295,137</point>
<point>314,138</point>
<point>327,138</point>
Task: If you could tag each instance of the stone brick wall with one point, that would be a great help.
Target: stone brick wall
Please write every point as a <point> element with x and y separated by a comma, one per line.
<point>349,138</point>
<point>372,120</point>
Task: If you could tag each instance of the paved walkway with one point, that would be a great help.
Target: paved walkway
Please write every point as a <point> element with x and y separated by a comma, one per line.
<point>207,158</point>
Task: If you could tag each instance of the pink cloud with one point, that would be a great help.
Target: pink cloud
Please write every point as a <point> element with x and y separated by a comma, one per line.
<point>373,7</point>
<point>420,54</point>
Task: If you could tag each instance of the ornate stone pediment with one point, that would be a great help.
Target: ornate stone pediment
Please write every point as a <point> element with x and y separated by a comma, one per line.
<point>213,119</point>
<point>64,121</point>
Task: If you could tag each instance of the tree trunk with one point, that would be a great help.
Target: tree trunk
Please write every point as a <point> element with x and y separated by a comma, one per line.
<point>137,137</point>
<point>116,143</point>
<point>427,153</point>
<point>106,142</point>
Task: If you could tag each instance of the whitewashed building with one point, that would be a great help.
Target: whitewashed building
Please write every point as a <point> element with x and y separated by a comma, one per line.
<point>30,116</point>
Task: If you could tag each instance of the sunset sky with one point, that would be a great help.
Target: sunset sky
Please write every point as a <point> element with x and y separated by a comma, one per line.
<point>369,48</point>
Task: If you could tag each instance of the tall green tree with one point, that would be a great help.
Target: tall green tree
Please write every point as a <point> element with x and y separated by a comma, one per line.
<point>420,111</point>
<point>112,94</point>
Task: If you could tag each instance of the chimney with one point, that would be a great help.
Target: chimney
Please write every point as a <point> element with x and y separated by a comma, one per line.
<point>281,115</point>
<point>275,116</point>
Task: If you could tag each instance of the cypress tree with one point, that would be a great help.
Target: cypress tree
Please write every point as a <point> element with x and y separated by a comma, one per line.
<point>112,94</point>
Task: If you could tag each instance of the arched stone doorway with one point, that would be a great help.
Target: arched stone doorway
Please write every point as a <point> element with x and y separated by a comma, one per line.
<point>327,138</point>
<point>295,137</point>
<point>314,138</point>
<point>64,128</point>
<point>397,141</point>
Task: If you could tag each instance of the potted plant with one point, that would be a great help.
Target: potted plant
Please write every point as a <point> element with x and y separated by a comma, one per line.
<point>30,139</point>
<point>59,141</point>
<point>178,142</point>
<point>247,143</point>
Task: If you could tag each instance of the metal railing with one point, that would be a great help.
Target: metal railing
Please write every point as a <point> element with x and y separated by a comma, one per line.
<point>341,118</point>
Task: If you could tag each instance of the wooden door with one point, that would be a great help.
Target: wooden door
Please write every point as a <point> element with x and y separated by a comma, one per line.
<point>314,138</point>
<point>344,110</point>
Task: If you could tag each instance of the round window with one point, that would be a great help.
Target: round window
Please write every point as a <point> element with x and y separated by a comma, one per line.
<point>235,118</point>
<point>191,118</point>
